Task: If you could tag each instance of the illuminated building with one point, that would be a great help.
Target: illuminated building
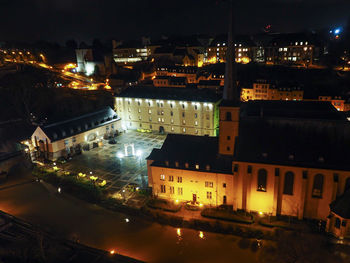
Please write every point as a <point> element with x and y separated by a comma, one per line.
<point>271,157</point>
<point>89,61</point>
<point>297,49</point>
<point>170,110</point>
<point>337,102</point>
<point>75,135</point>
<point>263,90</point>
<point>189,73</point>
<point>130,52</point>
<point>166,81</point>
<point>216,51</point>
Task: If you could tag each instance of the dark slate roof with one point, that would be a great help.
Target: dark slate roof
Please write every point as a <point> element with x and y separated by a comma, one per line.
<point>341,205</point>
<point>176,80</point>
<point>321,110</point>
<point>289,39</point>
<point>182,94</point>
<point>193,150</point>
<point>245,40</point>
<point>304,134</point>
<point>64,129</point>
<point>180,52</point>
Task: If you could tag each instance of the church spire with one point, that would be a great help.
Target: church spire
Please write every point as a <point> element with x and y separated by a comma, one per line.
<point>230,87</point>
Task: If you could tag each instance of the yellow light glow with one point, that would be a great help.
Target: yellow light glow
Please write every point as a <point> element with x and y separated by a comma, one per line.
<point>261,213</point>
<point>93,178</point>
<point>112,252</point>
<point>200,64</point>
<point>103,183</point>
<point>108,87</point>
<point>245,60</point>
<point>201,235</point>
<point>212,60</point>
<point>178,232</point>
<point>81,175</point>
<point>201,205</point>
<point>55,168</point>
<point>176,201</point>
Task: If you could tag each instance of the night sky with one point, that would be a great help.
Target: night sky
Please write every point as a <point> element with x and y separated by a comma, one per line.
<point>59,20</point>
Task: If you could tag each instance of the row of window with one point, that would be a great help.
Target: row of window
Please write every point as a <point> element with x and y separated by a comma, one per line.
<point>171,189</point>
<point>183,105</point>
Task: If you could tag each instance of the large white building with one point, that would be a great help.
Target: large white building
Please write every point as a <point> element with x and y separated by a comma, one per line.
<point>170,110</point>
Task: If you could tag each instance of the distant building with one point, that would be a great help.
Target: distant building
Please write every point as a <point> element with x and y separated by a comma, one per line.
<point>74,135</point>
<point>166,81</point>
<point>189,73</point>
<point>216,51</point>
<point>90,61</point>
<point>264,90</point>
<point>170,110</point>
<point>298,49</point>
<point>130,52</point>
<point>337,102</point>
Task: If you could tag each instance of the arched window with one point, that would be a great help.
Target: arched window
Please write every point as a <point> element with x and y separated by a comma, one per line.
<point>228,116</point>
<point>347,184</point>
<point>317,188</point>
<point>262,179</point>
<point>288,183</point>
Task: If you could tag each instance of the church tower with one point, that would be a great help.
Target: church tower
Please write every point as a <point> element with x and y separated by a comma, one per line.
<point>229,107</point>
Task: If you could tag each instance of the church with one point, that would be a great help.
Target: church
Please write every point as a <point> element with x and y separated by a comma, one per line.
<point>272,157</point>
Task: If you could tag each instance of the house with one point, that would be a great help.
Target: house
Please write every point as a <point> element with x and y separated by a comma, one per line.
<point>74,135</point>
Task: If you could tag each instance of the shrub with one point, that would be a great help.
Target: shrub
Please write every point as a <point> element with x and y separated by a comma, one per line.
<point>227,215</point>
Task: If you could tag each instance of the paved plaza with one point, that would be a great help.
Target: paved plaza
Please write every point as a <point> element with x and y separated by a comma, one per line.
<point>109,162</point>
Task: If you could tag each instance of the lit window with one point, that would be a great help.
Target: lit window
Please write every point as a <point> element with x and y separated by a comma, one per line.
<point>209,195</point>
<point>262,180</point>
<point>184,130</point>
<point>197,166</point>
<point>162,177</point>
<point>196,123</point>
<point>162,188</point>
<point>209,184</point>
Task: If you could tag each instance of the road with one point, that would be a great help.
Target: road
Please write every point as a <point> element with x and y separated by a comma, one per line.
<point>98,227</point>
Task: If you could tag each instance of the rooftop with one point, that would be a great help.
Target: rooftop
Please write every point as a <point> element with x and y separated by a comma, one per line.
<point>340,206</point>
<point>193,150</point>
<point>67,128</point>
<point>181,94</point>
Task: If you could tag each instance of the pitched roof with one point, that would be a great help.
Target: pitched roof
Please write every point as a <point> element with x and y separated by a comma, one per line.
<point>304,134</point>
<point>340,206</point>
<point>200,95</point>
<point>191,149</point>
<point>64,129</point>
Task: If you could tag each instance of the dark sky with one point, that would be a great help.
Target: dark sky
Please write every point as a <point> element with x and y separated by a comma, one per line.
<point>60,20</point>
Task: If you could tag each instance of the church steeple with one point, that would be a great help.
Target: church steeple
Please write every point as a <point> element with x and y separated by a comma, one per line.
<point>229,107</point>
<point>230,87</point>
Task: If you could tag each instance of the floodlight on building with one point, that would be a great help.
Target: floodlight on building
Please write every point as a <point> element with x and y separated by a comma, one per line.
<point>127,220</point>
<point>112,252</point>
<point>138,153</point>
<point>120,155</point>
<point>178,232</point>
<point>59,190</point>
<point>261,213</point>
<point>201,235</point>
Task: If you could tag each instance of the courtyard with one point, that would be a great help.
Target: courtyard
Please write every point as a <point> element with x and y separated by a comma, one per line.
<point>121,164</point>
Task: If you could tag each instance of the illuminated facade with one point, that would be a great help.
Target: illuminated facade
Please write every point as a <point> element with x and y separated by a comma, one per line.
<point>130,54</point>
<point>337,102</point>
<point>170,110</point>
<point>74,135</point>
<point>268,158</point>
<point>263,90</point>
<point>245,50</point>
<point>178,71</point>
<point>166,81</point>
<point>298,49</point>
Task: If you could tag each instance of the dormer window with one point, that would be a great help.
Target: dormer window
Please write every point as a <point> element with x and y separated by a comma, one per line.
<point>167,163</point>
<point>207,167</point>
<point>264,155</point>
<point>291,157</point>
<point>321,159</point>
<point>197,166</point>
<point>186,165</point>
<point>176,164</point>
<point>54,135</point>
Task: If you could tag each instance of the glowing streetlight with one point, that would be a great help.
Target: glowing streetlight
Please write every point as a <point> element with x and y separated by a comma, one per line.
<point>178,232</point>
<point>201,235</point>
<point>127,220</point>
<point>59,190</point>
<point>112,252</point>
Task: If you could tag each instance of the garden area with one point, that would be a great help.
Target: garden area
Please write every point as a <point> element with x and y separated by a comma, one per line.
<point>228,215</point>
<point>164,205</point>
